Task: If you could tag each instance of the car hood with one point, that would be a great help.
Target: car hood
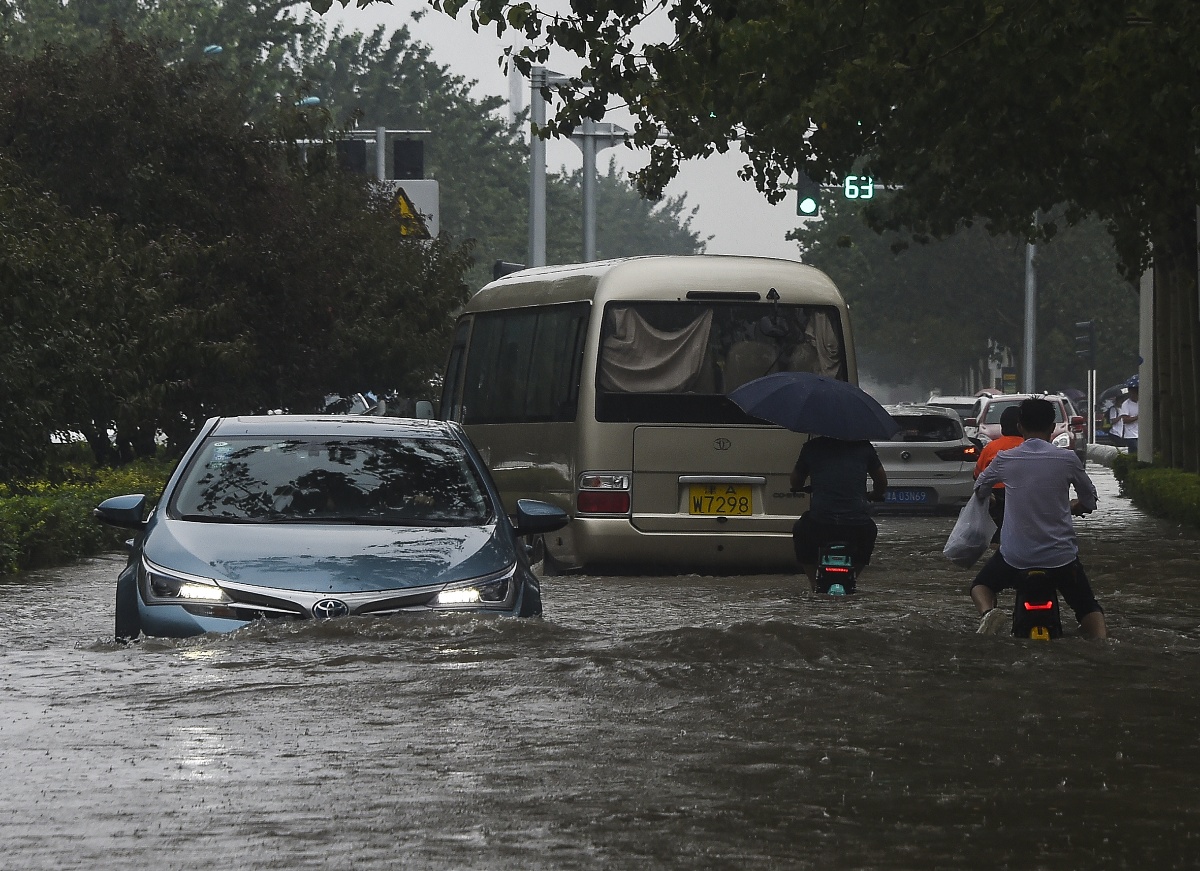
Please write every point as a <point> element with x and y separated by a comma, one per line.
<point>328,558</point>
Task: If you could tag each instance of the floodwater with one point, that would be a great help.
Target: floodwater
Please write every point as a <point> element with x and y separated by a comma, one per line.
<point>683,722</point>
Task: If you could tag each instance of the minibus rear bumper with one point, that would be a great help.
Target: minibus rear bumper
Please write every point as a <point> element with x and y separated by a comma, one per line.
<point>597,542</point>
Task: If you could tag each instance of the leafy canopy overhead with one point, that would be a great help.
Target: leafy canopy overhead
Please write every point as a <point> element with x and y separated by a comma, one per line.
<point>979,110</point>
<point>930,315</point>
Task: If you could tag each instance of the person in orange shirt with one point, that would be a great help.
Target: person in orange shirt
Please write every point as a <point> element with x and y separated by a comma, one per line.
<point>1010,437</point>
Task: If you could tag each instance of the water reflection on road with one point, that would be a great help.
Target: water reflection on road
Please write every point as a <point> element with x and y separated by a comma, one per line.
<point>681,722</point>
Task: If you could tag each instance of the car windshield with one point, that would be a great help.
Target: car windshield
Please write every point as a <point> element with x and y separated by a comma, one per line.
<point>389,481</point>
<point>926,428</point>
<point>994,409</point>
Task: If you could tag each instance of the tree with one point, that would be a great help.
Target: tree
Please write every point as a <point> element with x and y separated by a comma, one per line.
<point>294,286</point>
<point>377,79</point>
<point>478,158</point>
<point>997,113</point>
<point>930,313</point>
<point>197,302</point>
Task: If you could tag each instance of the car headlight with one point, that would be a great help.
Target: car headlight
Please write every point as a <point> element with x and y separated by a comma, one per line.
<point>1062,441</point>
<point>493,591</point>
<point>162,585</point>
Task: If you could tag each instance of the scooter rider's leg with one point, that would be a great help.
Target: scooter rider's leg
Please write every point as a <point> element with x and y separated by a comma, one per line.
<point>1077,590</point>
<point>805,543</point>
<point>1093,625</point>
<point>983,597</point>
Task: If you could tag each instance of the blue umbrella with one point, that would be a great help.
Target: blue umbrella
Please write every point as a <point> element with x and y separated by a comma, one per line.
<point>817,404</point>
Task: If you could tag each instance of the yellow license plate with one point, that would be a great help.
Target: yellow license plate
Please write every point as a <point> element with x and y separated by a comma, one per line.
<point>731,500</point>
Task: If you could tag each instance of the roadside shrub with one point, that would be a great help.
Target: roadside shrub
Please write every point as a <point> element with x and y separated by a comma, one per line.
<point>1169,493</point>
<point>45,523</point>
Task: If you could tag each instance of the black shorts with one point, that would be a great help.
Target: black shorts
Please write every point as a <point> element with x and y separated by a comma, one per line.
<point>808,535</point>
<point>1070,579</point>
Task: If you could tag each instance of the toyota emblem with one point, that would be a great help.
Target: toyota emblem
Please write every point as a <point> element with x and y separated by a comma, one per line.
<point>326,608</point>
<point>722,444</point>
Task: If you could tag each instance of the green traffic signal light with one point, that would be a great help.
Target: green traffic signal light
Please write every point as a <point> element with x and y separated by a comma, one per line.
<point>808,197</point>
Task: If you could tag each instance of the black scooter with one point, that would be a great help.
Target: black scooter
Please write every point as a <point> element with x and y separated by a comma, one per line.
<point>1035,612</point>
<point>836,573</point>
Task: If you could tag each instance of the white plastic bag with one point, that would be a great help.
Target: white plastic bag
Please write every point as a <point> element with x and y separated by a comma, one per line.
<point>971,535</point>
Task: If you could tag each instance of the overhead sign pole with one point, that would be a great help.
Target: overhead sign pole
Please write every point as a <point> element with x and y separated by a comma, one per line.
<point>591,138</point>
<point>588,147</point>
<point>1030,317</point>
<point>538,78</point>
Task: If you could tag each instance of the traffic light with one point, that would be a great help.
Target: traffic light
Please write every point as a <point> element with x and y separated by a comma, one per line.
<point>1085,344</point>
<point>808,197</point>
<point>352,155</point>
<point>408,158</point>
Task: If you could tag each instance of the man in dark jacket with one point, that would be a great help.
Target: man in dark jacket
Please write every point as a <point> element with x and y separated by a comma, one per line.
<point>839,510</point>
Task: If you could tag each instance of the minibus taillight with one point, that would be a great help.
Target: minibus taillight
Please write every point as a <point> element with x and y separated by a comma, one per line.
<point>603,493</point>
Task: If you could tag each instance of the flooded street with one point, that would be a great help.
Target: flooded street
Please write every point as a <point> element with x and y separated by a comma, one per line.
<point>682,722</point>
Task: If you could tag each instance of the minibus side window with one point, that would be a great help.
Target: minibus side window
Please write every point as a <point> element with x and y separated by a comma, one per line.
<point>523,365</point>
<point>553,385</point>
<point>452,386</point>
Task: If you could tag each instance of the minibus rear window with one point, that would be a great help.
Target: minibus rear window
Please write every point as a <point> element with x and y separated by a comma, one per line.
<point>674,362</point>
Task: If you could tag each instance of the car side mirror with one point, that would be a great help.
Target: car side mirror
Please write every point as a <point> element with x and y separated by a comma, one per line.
<point>971,421</point>
<point>123,511</point>
<point>535,517</point>
<point>423,410</point>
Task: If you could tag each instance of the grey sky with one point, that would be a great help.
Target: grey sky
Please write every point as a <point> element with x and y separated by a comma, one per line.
<point>737,216</point>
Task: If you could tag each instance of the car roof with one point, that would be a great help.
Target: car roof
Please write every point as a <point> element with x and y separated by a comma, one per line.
<point>1010,397</point>
<point>918,408</point>
<point>334,425</point>
<point>957,400</point>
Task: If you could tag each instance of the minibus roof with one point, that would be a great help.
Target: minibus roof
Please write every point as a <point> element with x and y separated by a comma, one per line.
<point>632,277</point>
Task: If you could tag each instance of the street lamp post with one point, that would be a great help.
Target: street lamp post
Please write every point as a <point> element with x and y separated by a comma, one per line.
<point>539,77</point>
<point>591,138</point>
<point>1030,317</point>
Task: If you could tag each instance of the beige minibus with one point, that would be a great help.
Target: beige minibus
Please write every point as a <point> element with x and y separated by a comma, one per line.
<point>601,387</point>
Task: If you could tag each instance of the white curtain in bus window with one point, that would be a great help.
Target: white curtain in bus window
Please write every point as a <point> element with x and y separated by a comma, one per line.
<point>824,338</point>
<point>639,358</point>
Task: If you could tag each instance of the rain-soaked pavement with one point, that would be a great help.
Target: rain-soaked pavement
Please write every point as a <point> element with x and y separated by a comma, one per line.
<point>682,722</point>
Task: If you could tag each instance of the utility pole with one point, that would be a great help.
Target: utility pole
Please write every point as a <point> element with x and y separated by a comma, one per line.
<point>539,77</point>
<point>1030,317</point>
<point>592,137</point>
<point>1085,347</point>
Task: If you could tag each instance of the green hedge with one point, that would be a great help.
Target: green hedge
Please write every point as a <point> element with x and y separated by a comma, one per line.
<point>1169,493</point>
<point>46,523</point>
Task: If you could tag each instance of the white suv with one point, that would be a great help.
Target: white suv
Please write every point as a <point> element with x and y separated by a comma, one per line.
<point>1069,428</point>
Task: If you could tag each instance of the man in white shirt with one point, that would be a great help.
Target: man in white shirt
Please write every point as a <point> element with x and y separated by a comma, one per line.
<point>1038,531</point>
<point>1126,426</point>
